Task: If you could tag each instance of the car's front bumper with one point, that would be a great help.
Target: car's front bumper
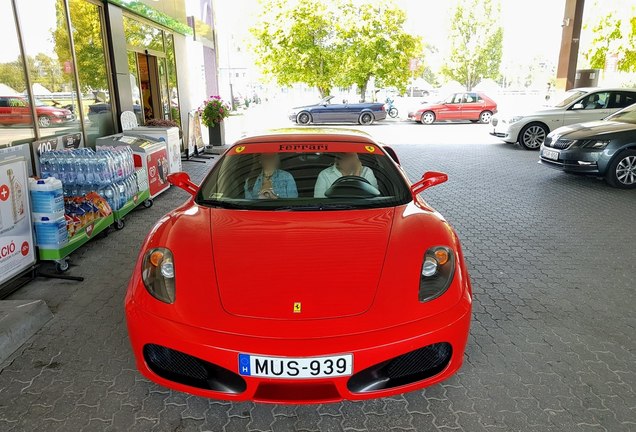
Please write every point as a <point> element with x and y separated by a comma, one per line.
<point>371,349</point>
<point>509,132</point>
<point>576,160</point>
<point>292,117</point>
<point>62,119</point>
<point>414,116</point>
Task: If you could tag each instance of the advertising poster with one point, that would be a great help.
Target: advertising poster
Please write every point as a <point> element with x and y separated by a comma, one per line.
<point>195,138</point>
<point>157,163</point>
<point>17,251</point>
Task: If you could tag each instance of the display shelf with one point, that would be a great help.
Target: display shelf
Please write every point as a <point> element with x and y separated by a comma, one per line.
<point>139,198</point>
<point>79,239</point>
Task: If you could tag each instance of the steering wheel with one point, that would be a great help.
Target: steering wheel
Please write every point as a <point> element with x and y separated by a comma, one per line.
<point>348,178</point>
<point>352,187</point>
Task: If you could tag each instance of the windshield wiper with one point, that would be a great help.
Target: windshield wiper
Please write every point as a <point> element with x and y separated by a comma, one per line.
<point>219,204</point>
<point>315,207</point>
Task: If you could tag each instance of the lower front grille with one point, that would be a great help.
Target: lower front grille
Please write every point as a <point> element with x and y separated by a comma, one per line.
<point>296,392</point>
<point>408,368</point>
<point>185,369</point>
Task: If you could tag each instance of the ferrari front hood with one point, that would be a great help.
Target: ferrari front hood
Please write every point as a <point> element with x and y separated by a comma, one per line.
<point>299,265</point>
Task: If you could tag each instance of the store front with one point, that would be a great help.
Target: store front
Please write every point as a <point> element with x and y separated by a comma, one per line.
<point>67,88</point>
<point>68,70</point>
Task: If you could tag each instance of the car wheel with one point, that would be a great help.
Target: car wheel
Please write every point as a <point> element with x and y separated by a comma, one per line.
<point>532,136</point>
<point>44,121</point>
<point>428,117</point>
<point>303,118</point>
<point>622,171</point>
<point>366,118</point>
<point>485,117</point>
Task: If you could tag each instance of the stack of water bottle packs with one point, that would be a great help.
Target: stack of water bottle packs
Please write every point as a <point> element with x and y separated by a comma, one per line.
<point>47,201</point>
<point>109,171</point>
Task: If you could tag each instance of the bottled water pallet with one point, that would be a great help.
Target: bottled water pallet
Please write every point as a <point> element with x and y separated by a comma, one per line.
<point>87,233</point>
<point>141,197</point>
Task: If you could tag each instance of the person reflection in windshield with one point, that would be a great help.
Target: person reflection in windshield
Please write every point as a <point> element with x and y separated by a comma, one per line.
<point>347,164</point>
<point>270,182</point>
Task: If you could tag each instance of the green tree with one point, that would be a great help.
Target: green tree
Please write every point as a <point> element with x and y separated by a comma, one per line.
<point>49,72</point>
<point>476,42</point>
<point>376,46</point>
<point>12,73</point>
<point>338,43</point>
<point>297,44</point>
<point>614,34</point>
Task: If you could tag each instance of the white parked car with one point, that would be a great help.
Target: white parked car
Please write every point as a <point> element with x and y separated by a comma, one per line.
<point>577,106</point>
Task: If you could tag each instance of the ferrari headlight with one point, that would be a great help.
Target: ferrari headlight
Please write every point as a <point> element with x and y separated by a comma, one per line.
<point>158,274</point>
<point>437,272</point>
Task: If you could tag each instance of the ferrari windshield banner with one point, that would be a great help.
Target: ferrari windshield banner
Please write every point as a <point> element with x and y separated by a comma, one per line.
<point>16,233</point>
<point>306,147</point>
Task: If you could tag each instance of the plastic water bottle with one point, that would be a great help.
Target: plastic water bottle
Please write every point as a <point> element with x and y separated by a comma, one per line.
<point>47,198</point>
<point>51,233</point>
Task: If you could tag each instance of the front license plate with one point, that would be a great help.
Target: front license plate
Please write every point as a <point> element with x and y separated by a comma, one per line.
<point>292,368</point>
<point>551,154</point>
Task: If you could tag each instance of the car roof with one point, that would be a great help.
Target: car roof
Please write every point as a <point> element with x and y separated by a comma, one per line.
<point>308,134</point>
<point>592,89</point>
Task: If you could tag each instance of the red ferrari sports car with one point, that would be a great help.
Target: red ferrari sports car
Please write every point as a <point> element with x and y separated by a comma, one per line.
<point>304,269</point>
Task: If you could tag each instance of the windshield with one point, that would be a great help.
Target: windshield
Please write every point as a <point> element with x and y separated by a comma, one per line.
<point>627,115</point>
<point>567,98</point>
<point>304,177</point>
<point>38,102</point>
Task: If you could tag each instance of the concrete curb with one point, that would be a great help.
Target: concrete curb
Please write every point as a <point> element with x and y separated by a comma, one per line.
<point>19,320</point>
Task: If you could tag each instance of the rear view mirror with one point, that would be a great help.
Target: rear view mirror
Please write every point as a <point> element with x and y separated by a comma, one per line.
<point>578,106</point>
<point>182,180</point>
<point>429,179</point>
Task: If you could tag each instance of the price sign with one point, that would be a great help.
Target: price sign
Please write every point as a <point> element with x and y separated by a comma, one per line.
<point>44,146</point>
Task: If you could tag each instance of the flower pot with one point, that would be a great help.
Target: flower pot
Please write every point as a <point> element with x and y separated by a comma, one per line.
<point>216,135</point>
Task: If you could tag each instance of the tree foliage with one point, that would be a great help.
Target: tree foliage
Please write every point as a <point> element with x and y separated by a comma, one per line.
<point>89,51</point>
<point>614,35</point>
<point>476,42</point>
<point>339,43</point>
<point>376,46</point>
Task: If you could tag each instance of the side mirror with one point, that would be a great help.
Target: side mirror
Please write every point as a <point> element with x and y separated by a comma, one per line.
<point>429,179</point>
<point>578,106</point>
<point>182,180</point>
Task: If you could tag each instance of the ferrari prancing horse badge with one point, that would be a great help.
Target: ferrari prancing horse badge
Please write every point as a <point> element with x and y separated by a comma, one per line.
<point>297,307</point>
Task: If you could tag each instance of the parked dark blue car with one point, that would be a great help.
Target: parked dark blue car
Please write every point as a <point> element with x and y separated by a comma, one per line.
<point>327,112</point>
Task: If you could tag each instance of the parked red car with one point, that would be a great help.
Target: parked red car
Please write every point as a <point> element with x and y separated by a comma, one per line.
<point>473,106</point>
<point>15,110</point>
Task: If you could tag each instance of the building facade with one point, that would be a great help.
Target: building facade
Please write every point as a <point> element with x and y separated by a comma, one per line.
<point>69,68</point>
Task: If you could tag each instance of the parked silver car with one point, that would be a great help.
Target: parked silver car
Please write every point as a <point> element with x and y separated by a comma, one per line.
<point>576,106</point>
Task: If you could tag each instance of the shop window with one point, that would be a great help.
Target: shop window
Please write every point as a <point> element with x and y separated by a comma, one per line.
<point>134,83</point>
<point>175,112</point>
<point>88,38</point>
<point>16,121</point>
<point>142,35</point>
<point>50,65</point>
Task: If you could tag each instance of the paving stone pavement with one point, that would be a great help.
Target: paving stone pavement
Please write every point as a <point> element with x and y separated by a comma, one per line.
<point>552,345</point>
